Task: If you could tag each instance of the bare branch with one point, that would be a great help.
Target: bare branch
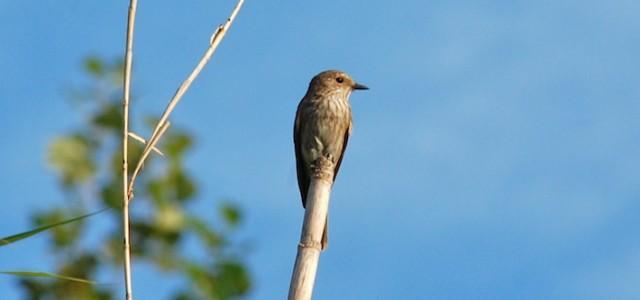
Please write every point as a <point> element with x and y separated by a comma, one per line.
<point>215,40</point>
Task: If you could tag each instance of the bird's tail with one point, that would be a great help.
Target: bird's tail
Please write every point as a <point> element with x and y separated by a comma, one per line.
<point>325,235</point>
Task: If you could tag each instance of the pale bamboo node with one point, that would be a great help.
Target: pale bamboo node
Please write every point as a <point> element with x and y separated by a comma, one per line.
<point>315,216</point>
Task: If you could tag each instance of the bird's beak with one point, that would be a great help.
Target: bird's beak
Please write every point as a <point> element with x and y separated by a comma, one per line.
<point>358,86</point>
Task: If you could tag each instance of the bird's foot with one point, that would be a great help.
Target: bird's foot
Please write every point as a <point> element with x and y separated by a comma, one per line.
<point>323,167</point>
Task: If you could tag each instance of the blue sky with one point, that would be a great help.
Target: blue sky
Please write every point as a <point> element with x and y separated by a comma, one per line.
<point>495,156</point>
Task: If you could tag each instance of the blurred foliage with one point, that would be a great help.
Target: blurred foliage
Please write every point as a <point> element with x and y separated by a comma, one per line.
<point>70,156</point>
<point>87,161</point>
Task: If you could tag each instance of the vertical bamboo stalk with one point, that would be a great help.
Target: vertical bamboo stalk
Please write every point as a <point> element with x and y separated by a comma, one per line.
<point>128,57</point>
<point>315,217</point>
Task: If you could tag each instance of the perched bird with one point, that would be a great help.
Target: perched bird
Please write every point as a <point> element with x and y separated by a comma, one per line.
<point>322,126</point>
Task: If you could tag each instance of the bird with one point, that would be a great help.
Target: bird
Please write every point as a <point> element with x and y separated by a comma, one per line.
<point>322,127</point>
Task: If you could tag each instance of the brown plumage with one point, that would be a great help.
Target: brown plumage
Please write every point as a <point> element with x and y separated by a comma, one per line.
<point>322,126</point>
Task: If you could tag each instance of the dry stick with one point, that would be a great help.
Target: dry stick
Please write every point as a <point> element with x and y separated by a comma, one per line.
<point>315,216</point>
<point>144,142</point>
<point>133,4</point>
<point>144,157</point>
<point>215,40</point>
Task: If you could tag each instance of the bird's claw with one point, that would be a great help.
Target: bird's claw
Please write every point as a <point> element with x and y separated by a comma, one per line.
<point>330,157</point>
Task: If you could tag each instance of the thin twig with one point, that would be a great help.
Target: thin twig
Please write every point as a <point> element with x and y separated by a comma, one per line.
<point>215,40</point>
<point>128,57</point>
<point>144,157</point>
<point>144,142</point>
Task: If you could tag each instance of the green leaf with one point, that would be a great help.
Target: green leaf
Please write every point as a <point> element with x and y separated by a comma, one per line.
<point>169,217</point>
<point>94,66</point>
<point>185,188</point>
<point>157,189</point>
<point>232,280</point>
<point>112,194</point>
<point>47,275</point>
<point>204,232</point>
<point>176,144</point>
<point>16,237</point>
<point>71,156</point>
<point>109,117</point>
<point>201,278</point>
<point>231,214</point>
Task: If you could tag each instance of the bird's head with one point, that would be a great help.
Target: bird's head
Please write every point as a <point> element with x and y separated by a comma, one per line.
<point>333,81</point>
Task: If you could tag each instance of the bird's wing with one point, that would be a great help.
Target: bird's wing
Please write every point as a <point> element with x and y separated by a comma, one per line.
<point>347,133</point>
<point>303,177</point>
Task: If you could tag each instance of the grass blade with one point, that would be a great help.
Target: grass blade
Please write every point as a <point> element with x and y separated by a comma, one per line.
<point>16,237</point>
<point>46,275</point>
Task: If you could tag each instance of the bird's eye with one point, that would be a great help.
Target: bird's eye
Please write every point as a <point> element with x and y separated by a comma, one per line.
<point>340,79</point>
